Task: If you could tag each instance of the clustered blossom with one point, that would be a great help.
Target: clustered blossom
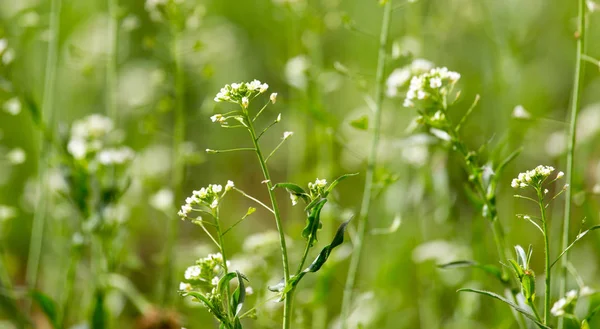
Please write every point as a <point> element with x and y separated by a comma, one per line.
<point>429,87</point>
<point>534,177</point>
<point>317,187</point>
<point>400,76</point>
<point>206,196</point>
<point>566,304</point>
<point>241,93</point>
<point>90,139</point>
<point>205,276</point>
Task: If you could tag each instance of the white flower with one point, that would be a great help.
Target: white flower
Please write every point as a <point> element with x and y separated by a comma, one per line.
<point>229,185</point>
<point>216,188</point>
<point>397,79</point>
<point>193,272</point>
<point>296,71</point>
<point>560,175</point>
<point>294,199</point>
<point>435,82</point>
<point>215,281</point>
<point>586,291</point>
<point>3,45</point>
<point>287,134</point>
<point>519,112</point>
<point>185,210</point>
<point>558,307</point>
<point>113,156</point>
<point>245,102</point>
<point>12,106</point>
<point>278,118</point>
<point>8,57</point>
<point>184,286</point>
<point>214,204</point>
<point>16,156</point>
<point>320,183</point>
<point>273,98</point>
<point>162,200</point>
<point>218,118</point>
<point>77,148</point>
<point>571,294</point>
<point>249,290</point>
<point>7,212</point>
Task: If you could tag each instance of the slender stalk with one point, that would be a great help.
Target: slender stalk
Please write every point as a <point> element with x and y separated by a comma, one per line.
<point>547,294</point>
<point>39,218</point>
<point>222,249</point>
<point>67,293</point>
<point>372,161</point>
<point>575,105</point>
<point>111,63</point>
<point>287,309</point>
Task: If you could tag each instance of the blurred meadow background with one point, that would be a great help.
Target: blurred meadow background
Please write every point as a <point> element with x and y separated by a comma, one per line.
<point>155,76</point>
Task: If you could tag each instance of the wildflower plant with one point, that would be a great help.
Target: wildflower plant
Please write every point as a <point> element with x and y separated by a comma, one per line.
<point>215,294</point>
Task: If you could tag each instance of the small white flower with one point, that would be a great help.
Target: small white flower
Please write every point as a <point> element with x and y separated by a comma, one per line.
<point>215,281</point>
<point>214,204</point>
<point>320,183</point>
<point>245,102</point>
<point>273,98</point>
<point>12,106</point>
<point>287,134</point>
<point>184,286</point>
<point>192,273</point>
<point>519,112</point>
<point>216,188</point>
<point>8,56</point>
<point>278,118</point>
<point>558,307</point>
<point>185,210</point>
<point>77,148</point>
<point>7,212</point>
<point>435,82</point>
<point>571,295</point>
<point>229,185</point>
<point>3,45</point>
<point>586,291</point>
<point>162,200</point>
<point>560,175</point>
<point>527,217</point>
<point>249,290</point>
<point>218,118</point>
<point>294,199</point>
<point>16,156</point>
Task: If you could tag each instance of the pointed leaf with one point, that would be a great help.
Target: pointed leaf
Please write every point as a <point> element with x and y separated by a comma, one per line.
<point>239,295</point>
<point>361,123</point>
<point>313,222</point>
<point>99,318</point>
<point>506,301</point>
<point>337,181</point>
<point>48,307</point>
<point>579,237</point>
<point>490,269</point>
<point>224,282</point>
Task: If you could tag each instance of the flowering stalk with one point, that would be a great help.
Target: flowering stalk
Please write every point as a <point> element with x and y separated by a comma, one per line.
<point>548,272</point>
<point>287,310</point>
<point>37,235</point>
<point>372,161</point>
<point>575,105</point>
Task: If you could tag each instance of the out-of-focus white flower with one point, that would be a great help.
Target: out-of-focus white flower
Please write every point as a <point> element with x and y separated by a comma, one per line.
<point>130,23</point>
<point>12,106</point>
<point>193,272</point>
<point>229,185</point>
<point>16,156</point>
<point>558,309</point>
<point>115,156</point>
<point>519,112</point>
<point>296,71</point>
<point>273,98</point>
<point>184,286</point>
<point>287,134</point>
<point>8,56</point>
<point>534,177</point>
<point>77,148</point>
<point>3,45</point>
<point>7,212</point>
<point>432,85</point>
<point>162,200</point>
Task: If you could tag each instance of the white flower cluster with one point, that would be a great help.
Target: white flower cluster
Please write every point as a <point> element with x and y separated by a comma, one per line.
<point>400,76</point>
<point>534,177</point>
<point>566,304</point>
<point>206,271</point>
<point>317,187</point>
<point>90,138</point>
<point>12,106</point>
<point>430,86</point>
<point>206,196</point>
<point>241,93</point>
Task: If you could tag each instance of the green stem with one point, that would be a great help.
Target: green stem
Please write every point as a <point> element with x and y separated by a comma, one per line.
<point>70,283</point>
<point>547,293</point>
<point>575,105</point>
<point>39,218</point>
<point>111,63</point>
<point>222,250</point>
<point>372,161</point>
<point>287,310</point>
<point>178,166</point>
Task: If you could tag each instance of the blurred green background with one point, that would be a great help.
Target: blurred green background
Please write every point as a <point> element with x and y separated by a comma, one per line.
<point>320,56</point>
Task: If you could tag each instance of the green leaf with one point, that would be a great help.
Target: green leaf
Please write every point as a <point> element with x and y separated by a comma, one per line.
<point>99,318</point>
<point>361,123</point>
<point>592,313</point>
<point>490,269</point>
<point>294,189</point>
<point>585,324</point>
<point>321,259</point>
<point>224,282</point>
<point>579,237</point>
<point>313,222</point>
<point>48,307</point>
<point>506,301</point>
<point>239,295</point>
<point>337,181</point>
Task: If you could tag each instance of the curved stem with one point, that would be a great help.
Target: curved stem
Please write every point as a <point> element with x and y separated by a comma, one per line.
<point>287,310</point>
<point>372,161</point>
<point>37,234</point>
<point>575,105</point>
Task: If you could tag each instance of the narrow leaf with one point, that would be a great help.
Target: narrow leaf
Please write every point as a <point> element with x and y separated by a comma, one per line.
<point>239,296</point>
<point>506,301</point>
<point>48,307</point>
<point>224,282</point>
<point>490,269</point>
<point>337,181</point>
<point>294,189</point>
<point>313,222</point>
<point>579,237</point>
<point>99,318</point>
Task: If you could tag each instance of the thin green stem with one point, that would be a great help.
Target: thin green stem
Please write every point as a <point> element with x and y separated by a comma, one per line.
<point>254,199</point>
<point>39,218</point>
<point>67,292</point>
<point>372,162</point>
<point>223,254</point>
<point>275,149</point>
<point>178,165</point>
<point>575,106</point>
<point>548,281</point>
<point>287,310</point>
<point>111,63</point>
